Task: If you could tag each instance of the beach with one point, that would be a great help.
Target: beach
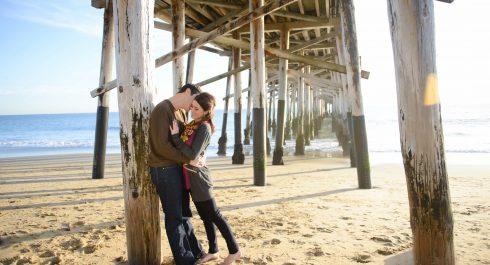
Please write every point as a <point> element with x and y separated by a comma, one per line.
<point>310,212</point>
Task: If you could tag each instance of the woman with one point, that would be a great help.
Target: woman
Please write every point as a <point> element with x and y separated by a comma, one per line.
<point>193,142</point>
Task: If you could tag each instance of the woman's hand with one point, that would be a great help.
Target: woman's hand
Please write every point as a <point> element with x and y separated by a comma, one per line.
<point>174,127</point>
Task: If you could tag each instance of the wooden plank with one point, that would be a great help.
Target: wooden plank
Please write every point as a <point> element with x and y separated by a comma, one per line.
<point>219,3</point>
<point>134,28</point>
<point>252,15</point>
<point>421,133</point>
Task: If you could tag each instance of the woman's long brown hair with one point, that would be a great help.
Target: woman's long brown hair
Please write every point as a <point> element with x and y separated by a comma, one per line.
<point>207,103</point>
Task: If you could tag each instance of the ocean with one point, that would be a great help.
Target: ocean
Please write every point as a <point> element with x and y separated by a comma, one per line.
<point>466,131</point>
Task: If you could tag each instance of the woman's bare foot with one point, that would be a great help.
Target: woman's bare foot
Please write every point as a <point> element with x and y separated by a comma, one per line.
<point>209,257</point>
<point>231,258</point>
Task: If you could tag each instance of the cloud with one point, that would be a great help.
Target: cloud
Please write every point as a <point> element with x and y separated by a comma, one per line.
<point>73,15</point>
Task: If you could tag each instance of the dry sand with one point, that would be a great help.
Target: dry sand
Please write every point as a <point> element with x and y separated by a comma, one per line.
<point>310,212</point>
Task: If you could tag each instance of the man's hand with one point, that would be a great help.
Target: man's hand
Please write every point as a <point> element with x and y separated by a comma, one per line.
<point>174,127</point>
<point>198,162</point>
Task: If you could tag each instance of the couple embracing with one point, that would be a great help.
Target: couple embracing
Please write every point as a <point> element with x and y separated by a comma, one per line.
<point>177,167</point>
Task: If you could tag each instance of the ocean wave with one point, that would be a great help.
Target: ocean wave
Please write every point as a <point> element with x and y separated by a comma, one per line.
<point>52,144</point>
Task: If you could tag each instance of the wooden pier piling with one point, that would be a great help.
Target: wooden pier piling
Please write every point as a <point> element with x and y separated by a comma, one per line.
<point>354,82</point>
<point>238,156</point>
<point>421,135</point>
<point>135,67</point>
<point>101,125</point>
<point>257,58</point>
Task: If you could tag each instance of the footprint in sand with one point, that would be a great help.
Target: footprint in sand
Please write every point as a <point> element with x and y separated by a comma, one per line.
<point>385,251</point>
<point>324,230</point>
<point>381,239</point>
<point>275,241</point>
<point>72,244</point>
<point>315,252</point>
<point>362,258</point>
<point>90,248</point>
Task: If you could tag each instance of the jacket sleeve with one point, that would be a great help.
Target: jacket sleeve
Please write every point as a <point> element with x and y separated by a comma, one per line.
<point>199,144</point>
<point>164,144</point>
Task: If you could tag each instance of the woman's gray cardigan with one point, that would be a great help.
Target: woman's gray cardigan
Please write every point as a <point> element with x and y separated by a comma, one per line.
<point>201,182</point>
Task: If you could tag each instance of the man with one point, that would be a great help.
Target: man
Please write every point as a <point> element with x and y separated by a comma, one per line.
<point>166,173</point>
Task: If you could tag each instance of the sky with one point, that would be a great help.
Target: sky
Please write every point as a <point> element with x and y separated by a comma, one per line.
<point>50,56</point>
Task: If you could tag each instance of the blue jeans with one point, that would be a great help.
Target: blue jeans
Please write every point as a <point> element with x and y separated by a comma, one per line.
<point>185,247</point>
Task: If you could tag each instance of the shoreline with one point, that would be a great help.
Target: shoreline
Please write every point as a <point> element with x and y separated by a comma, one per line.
<point>376,158</point>
<point>52,211</point>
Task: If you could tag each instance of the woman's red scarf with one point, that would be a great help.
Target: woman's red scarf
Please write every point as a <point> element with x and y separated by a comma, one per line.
<point>187,137</point>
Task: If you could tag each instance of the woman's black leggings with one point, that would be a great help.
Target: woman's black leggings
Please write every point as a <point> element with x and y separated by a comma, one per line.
<point>211,216</point>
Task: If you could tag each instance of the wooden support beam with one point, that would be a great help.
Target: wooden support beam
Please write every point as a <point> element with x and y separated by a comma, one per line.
<point>258,94</point>
<point>245,45</point>
<point>135,67</point>
<point>238,155</point>
<point>99,4</point>
<point>219,3</point>
<point>214,50</point>
<point>300,139</point>
<point>302,17</point>
<point>178,38</point>
<point>312,78</point>
<point>223,139</point>
<point>101,125</point>
<point>294,25</point>
<point>252,15</point>
<point>248,125</point>
<point>281,102</point>
<point>353,66</point>
<point>421,133</point>
<point>307,110</point>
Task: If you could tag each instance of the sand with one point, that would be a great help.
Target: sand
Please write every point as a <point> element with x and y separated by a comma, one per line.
<point>310,212</point>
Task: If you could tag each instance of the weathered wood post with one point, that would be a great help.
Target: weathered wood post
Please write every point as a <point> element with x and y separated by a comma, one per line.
<point>223,139</point>
<point>289,99</point>
<point>178,38</point>
<point>257,59</point>
<point>103,101</point>
<point>267,140</point>
<point>135,66</point>
<point>345,136</point>
<point>281,100</point>
<point>300,138</point>
<point>345,85</point>
<point>248,125</point>
<point>273,123</point>
<point>354,82</point>
<point>238,156</point>
<point>294,105</point>
<point>269,109</point>
<point>421,135</point>
<point>314,123</point>
<point>307,110</point>
<point>191,58</point>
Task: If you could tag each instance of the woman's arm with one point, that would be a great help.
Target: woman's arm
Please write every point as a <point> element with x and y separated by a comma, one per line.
<point>200,142</point>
